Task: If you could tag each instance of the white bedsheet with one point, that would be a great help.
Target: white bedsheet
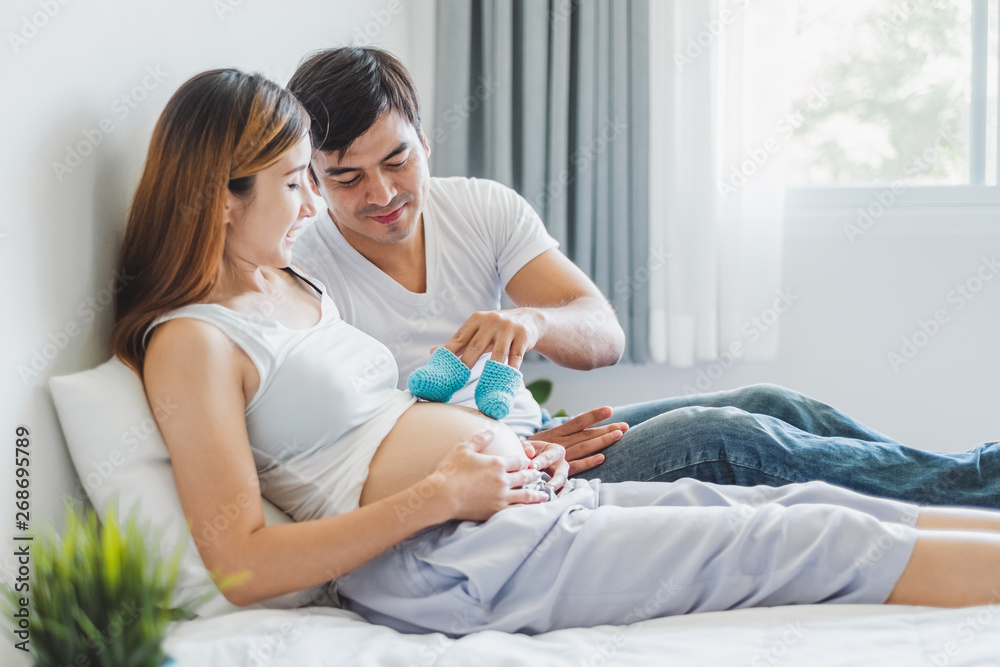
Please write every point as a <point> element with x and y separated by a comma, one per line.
<point>797,635</point>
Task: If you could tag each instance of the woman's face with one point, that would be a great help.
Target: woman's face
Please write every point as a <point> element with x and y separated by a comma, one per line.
<point>258,226</point>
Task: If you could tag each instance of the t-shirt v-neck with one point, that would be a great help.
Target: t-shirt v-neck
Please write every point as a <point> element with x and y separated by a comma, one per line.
<point>390,287</point>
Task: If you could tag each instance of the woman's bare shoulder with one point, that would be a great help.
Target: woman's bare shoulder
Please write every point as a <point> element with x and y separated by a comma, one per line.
<point>189,347</point>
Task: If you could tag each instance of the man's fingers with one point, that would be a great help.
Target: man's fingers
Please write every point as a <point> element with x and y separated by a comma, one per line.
<point>475,349</point>
<point>457,343</point>
<point>584,420</point>
<point>612,431</point>
<point>517,348</point>
<point>581,465</point>
<point>501,345</point>
<point>587,447</point>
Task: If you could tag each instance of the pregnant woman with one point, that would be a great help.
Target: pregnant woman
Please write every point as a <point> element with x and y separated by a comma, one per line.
<point>427,516</point>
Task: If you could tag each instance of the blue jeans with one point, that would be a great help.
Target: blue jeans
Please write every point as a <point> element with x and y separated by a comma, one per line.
<point>770,435</point>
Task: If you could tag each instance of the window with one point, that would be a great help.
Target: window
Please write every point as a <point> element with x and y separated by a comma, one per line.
<point>896,93</point>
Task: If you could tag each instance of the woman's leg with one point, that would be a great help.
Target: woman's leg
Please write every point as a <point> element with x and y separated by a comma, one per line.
<point>950,569</point>
<point>958,518</point>
<point>606,553</point>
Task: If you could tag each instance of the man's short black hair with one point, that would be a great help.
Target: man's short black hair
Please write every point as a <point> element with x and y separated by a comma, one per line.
<point>345,90</point>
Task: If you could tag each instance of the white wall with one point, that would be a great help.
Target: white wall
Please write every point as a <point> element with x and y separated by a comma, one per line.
<point>59,234</point>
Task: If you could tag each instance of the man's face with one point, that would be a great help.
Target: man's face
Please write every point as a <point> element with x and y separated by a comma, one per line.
<point>376,192</point>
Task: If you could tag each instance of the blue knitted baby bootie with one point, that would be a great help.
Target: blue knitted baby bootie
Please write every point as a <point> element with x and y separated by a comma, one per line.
<point>496,389</point>
<point>439,378</point>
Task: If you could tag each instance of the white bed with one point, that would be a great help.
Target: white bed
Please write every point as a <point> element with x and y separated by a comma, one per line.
<point>798,635</point>
<point>99,409</point>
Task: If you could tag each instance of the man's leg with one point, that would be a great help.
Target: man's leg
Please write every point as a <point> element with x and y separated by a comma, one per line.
<point>730,446</point>
<point>772,400</point>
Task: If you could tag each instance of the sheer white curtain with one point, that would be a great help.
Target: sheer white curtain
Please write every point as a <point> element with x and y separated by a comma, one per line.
<point>719,131</point>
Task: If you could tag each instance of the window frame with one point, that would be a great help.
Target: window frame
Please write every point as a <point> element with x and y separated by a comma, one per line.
<point>972,201</point>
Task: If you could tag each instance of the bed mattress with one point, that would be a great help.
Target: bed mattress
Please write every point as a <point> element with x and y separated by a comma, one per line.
<point>795,635</point>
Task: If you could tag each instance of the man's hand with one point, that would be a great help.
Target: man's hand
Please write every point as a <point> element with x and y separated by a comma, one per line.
<point>550,458</point>
<point>581,440</point>
<point>508,334</point>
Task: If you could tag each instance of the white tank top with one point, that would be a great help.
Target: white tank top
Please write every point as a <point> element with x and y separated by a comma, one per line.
<point>327,398</point>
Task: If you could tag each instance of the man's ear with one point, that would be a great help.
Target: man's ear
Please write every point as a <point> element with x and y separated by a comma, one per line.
<point>312,182</point>
<point>423,140</point>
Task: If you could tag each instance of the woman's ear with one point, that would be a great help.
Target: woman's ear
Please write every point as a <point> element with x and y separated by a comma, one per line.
<point>230,206</point>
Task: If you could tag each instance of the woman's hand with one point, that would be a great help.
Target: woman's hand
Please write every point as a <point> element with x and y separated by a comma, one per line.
<point>476,486</point>
<point>550,458</point>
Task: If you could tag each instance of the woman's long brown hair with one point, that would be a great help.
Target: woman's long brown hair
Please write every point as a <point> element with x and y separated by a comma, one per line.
<point>217,131</point>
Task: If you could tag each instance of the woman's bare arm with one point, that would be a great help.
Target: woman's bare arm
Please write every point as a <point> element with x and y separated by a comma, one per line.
<point>196,367</point>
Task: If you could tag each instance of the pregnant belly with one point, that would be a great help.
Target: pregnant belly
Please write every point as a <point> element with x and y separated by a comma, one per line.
<point>424,435</point>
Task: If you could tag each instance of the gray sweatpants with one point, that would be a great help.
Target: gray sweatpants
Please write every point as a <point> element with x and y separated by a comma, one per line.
<point>621,553</point>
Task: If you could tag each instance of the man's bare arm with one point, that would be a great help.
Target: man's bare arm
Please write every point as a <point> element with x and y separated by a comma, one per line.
<point>560,313</point>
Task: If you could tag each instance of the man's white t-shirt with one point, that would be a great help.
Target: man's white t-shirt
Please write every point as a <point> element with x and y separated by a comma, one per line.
<point>477,235</point>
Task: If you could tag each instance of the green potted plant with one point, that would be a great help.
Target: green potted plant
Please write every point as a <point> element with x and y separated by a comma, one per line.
<point>540,391</point>
<point>98,595</point>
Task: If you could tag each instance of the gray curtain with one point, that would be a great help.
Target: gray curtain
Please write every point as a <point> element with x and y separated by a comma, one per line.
<point>551,98</point>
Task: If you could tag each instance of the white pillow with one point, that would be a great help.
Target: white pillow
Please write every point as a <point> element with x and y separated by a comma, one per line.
<point>120,456</point>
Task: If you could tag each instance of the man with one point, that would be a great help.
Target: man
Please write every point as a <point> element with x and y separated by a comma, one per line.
<point>418,262</point>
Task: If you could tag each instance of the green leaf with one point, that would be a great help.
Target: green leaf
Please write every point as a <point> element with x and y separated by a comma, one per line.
<point>101,575</point>
<point>540,390</point>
